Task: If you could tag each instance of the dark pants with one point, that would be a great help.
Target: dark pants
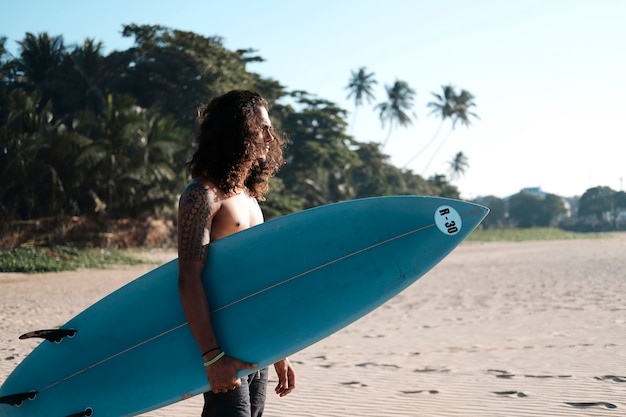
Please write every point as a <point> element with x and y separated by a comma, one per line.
<point>245,401</point>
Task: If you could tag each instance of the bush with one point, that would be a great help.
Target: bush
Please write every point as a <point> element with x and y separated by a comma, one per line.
<point>56,259</point>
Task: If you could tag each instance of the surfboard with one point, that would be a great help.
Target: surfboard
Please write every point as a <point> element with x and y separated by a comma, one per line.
<point>273,289</point>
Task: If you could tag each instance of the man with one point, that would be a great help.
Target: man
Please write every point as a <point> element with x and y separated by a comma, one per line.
<point>237,152</point>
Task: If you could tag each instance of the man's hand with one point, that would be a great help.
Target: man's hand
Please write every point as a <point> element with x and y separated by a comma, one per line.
<point>286,377</point>
<point>222,374</point>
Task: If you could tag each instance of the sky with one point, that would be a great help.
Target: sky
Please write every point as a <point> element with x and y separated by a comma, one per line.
<point>548,76</point>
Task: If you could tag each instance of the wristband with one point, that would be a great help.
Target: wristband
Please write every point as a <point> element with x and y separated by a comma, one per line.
<point>210,350</point>
<point>215,359</point>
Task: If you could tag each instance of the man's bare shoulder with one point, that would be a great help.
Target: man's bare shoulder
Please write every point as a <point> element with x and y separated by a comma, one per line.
<point>202,192</point>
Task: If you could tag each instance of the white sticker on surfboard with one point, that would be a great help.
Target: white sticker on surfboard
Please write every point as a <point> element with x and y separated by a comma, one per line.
<point>448,220</point>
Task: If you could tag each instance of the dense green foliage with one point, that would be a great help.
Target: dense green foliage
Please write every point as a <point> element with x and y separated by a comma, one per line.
<point>599,209</point>
<point>83,133</point>
<point>602,208</point>
<point>58,259</point>
<point>107,136</point>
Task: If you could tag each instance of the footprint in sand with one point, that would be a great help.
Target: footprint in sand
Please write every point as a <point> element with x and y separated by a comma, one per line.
<point>594,404</point>
<point>611,378</point>
<point>384,365</point>
<point>500,373</point>
<point>518,394</point>
<point>354,383</point>
<point>431,391</point>
<point>547,376</point>
<point>428,369</point>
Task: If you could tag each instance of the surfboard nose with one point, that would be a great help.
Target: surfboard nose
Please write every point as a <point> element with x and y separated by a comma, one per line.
<point>483,212</point>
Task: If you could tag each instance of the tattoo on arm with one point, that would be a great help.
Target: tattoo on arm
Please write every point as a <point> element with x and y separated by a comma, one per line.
<point>193,223</point>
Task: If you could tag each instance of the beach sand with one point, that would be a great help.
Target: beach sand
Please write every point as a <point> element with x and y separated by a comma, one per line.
<point>496,329</point>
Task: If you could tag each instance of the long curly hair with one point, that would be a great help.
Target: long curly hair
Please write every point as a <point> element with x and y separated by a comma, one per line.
<point>229,144</point>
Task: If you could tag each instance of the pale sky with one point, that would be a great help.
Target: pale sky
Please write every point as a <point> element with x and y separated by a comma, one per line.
<point>548,76</point>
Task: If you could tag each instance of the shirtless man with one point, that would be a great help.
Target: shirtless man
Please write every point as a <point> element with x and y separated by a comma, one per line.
<point>237,152</point>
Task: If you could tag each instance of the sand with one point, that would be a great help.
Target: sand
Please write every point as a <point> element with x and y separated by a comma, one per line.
<point>496,329</point>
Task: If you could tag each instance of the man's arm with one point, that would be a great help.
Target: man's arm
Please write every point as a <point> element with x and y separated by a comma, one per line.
<point>194,222</point>
<point>195,216</point>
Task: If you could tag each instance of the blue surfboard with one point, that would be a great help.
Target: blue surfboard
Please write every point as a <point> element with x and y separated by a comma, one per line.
<point>132,351</point>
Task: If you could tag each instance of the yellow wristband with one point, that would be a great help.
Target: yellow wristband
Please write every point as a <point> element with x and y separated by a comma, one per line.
<point>215,359</point>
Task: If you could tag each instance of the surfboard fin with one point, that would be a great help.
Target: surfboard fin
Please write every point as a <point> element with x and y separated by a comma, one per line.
<point>51,335</point>
<point>18,399</point>
<point>88,412</point>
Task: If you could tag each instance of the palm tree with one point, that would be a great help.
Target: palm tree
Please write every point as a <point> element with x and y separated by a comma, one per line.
<point>458,165</point>
<point>4,105</point>
<point>35,151</point>
<point>455,107</point>
<point>399,100</point>
<point>87,65</point>
<point>444,107</point>
<point>131,160</point>
<point>37,68</point>
<point>462,103</point>
<point>360,86</point>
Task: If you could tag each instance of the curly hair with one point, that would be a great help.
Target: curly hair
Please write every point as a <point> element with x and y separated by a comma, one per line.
<point>229,144</point>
